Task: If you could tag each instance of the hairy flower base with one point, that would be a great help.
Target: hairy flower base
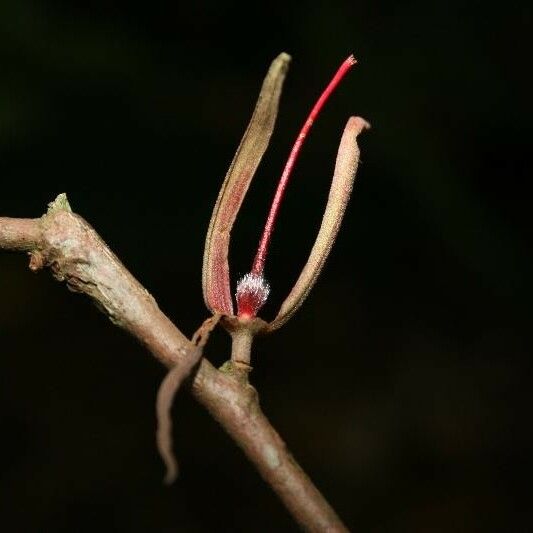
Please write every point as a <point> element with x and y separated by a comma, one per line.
<point>252,293</point>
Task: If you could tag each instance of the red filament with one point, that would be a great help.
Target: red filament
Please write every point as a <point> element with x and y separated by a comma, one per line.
<point>260,258</point>
<point>252,289</point>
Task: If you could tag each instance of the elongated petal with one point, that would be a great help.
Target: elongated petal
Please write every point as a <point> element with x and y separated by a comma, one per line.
<point>339,194</point>
<point>215,276</point>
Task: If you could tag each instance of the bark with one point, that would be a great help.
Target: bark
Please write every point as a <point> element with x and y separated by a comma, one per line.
<point>74,252</point>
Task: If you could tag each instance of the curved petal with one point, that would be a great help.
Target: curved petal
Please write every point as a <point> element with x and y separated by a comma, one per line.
<point>215,275</point>
<point>339,194</point>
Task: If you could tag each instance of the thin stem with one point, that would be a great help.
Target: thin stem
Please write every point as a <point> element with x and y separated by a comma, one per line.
<point>234,404</point>
<point>19,234</point>
<point>81,258</point>
<point>260,258</point>
<point>241,345</point>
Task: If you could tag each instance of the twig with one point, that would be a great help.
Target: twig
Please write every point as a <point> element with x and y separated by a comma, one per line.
<point>70,247</point>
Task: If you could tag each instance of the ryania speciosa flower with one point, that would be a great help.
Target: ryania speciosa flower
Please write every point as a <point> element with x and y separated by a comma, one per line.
<point>252,289</point>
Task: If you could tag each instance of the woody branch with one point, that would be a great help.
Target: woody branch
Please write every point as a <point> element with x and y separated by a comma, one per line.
<point>74,252</point>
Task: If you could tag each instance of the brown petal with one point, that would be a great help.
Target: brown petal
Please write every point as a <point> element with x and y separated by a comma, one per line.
<point>339,194</point>
<point>215,276</point>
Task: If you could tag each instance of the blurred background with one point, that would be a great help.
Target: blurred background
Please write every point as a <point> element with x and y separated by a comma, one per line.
<point>401,384</point>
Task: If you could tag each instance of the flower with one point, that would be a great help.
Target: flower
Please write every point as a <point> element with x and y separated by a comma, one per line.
<point>252,289</point>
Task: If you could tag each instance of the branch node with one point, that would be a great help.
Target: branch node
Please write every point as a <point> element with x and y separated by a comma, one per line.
<point>37,261</point>
<point>237,370</point>
<point>59,204</point>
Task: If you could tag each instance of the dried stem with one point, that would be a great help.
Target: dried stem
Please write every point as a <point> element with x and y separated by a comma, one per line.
<point>165,398</point>
<point>69,246</point>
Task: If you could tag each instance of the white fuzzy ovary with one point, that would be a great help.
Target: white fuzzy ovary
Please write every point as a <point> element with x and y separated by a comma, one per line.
<point>252,293</point>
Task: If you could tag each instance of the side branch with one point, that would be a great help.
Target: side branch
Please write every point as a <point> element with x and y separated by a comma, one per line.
<point>21,234</point>
<point>71,248</point>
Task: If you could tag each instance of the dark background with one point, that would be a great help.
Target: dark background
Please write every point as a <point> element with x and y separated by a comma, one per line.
<point>401,385</point>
